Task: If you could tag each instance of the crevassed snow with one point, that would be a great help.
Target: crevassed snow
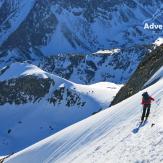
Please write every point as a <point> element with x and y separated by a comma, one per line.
<point>106,137</point>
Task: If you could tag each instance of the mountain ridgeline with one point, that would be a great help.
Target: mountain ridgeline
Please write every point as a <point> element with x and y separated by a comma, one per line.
<point>116,67</point>
<point>62,61</point>
<point>31,88</point>
<point>54,34</point>
<point>149,65</point>
<point>47,103</point>
<point>47,27</point>
<point>106,137</point>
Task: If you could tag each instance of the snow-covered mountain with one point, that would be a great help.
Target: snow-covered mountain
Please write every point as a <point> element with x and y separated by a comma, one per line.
<point>47,47</point>
<point>116,65</point>
<point>148,66</point>
<point>107,136</point>
<point>51,33</point>
<point>58,26</point>
<point>35,104</point>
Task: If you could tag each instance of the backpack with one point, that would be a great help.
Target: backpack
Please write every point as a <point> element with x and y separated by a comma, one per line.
<point>145,96</point>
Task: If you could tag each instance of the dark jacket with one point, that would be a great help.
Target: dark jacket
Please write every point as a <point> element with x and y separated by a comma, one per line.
<point>148,101</point>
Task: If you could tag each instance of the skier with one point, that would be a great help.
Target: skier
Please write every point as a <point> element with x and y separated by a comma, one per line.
<point>146,102</point>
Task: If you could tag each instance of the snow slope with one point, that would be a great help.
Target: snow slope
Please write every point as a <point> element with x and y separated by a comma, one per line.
<point>157,76</point>
<point>19,9</point>
<point>16,70</point>
<point>105,137</point>
<point>159,41</point>
<point>95,26</point>
<point>54,27</point>
<point>26,123</point>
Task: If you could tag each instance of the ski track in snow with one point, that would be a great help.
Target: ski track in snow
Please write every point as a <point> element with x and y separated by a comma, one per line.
<point>106,137</point>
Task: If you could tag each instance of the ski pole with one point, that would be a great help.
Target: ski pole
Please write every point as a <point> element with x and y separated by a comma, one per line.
<point>154,113</point>
<point>157,102</point>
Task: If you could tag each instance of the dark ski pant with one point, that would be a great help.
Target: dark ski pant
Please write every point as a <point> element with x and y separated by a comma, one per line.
<point>146,111</point>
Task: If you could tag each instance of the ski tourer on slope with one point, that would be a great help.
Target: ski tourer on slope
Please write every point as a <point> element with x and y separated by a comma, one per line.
<point>146,102</point>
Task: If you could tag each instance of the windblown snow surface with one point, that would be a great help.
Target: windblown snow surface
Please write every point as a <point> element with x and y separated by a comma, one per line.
<point>106,137</point>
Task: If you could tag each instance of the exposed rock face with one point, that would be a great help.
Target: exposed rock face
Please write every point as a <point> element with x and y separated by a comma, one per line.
<point>43,27</point>
<point>37,29</point>
<point>31,89</point>
<point>24,89</point>
<point>35,104</point>
<point>114,67</point>
<point>34,31</point>
<point>70,97</point>
<point>149,65</point>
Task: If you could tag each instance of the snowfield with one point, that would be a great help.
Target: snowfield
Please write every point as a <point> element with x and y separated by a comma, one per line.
<point>25,124</point>
<point>22,69</point>
<point>107,136</point>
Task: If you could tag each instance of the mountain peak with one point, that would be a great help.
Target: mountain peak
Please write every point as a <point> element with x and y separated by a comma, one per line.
<point>17,69</point>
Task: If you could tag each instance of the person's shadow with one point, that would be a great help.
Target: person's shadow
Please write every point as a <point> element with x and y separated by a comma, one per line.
<point>135,130</point>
